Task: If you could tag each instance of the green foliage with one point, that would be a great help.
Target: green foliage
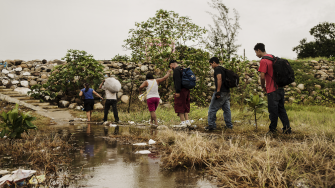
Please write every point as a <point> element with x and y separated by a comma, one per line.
<point>15,123</point>
<point>121,58</point>
<point>324,44</point>
<point>80,68</point>
<point>256,105</point>
<point>222,36</point>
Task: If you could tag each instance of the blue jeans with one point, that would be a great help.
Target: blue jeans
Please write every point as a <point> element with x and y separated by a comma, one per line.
<point>224,103</point>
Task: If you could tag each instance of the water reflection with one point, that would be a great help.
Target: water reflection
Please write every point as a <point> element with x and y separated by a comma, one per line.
<point>110,164</point>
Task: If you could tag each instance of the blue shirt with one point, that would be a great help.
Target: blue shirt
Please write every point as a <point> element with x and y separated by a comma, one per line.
<point>88,94</point>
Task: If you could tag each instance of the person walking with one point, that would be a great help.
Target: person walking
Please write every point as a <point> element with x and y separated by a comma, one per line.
<point>111,100</point>
<point>220,98</point>
<point>152,94</point>
<point>181,96</point>
<point>275,94</point>
<point>89,99</point>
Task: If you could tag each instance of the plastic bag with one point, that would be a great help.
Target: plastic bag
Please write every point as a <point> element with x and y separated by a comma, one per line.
<point>112,85</point>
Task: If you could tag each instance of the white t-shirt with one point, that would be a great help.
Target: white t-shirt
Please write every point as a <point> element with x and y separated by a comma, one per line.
<point>154,90</point>
<point>109,95</point>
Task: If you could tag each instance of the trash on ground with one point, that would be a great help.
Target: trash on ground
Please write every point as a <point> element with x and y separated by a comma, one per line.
<point>143,152</point>
<point>131,122</point>
<point>192,121</point>
<point>140,144</point>
<point>161,127</point>
<point>113,125</point>
<point>4,172</point>
<point>37,179</point>
<point>201,119</point>
<point>151,141</point>
<point>17,177</point>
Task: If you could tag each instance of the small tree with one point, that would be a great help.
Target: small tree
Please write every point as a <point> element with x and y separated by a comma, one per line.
<point>222,36</point>
<point>80,68</point>
<point>256,105</point>
<point>15,123</point>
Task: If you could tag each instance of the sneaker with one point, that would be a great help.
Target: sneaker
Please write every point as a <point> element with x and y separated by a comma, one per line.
<point>287,131</point>
<point>228,127</point>
<point>182,125</point>
<point>208,128</point>
<point>271,133</point>
<point>188,123</point>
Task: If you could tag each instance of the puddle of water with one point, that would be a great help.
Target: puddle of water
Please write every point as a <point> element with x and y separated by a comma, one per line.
<point>109,164</point>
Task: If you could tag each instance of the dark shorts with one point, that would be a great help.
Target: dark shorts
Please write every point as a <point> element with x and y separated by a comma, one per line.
<point>182,103</point>
<point>153,104</point>
<point>88,104</point>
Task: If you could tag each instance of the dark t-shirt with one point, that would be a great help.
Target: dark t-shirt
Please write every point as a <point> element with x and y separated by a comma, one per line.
<point>177,72</point>
<point>219,70</point>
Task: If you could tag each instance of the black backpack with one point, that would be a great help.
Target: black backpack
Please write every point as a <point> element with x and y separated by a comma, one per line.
<point>231,78</point>
<point>283,73</point>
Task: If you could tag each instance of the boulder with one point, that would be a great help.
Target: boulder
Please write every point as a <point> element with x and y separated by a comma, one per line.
<point>79,107</point>
<point>317,86</point>
<point>32,83</point>
<point>44,76</point>
<point>119,94</point>
<point>125,99</point>
<point>73,105</point>
<point>293,84</point>
<point>15,82</point>
<point>11,75</point>
<point>5,71</point>
<point>5,82</point>
<point>98,106</point>
<point>301,87</point>
<point>144,68</point>
<point>26,74</point>
<point>63,104</point>
<point>24,83</point>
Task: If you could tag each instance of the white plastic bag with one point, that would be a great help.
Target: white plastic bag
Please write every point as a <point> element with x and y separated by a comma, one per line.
<point>112,85</point>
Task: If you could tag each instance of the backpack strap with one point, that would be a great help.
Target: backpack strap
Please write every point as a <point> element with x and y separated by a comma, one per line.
<point>273,61</point>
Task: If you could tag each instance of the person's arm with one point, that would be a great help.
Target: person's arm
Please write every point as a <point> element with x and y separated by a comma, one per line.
<point>143,85</point>
<point>97,94</point>
<point>101,84</point>
<point>81,93</point>
<point>159,80</point>
<point>263,81</point>
<point>177,81</point>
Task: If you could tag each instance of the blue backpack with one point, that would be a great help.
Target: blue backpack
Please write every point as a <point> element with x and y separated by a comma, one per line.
<point>188,78</point>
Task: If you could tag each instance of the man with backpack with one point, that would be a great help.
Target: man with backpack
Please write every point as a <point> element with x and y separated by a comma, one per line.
<point>220,98</point>
<point>276,73</point>
<point>182,95</point>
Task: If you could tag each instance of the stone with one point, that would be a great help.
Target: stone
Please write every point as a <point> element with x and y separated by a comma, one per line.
<point>167,105</point>
<point>291,99</point>
<point>119,94</point>
<point>98,106</point>
<point>26,74</point>
<point>317,86</point>
<point>15,82</point>
<point>11,75</point>
<point>318,98</point>
<point>73,105</point>
<point>301,87</point>
<point>317,67</point>
<point>63,104</point>
<point>5,82</point>
<point>24,83</point>
<point>144,68</point>
<point>125,99</point>
<point>79,107</point>
<point>313,61</point>
<point>5,71</point>
<point>78,101</point>
<point>22,90</point>
<point>32,83</point>
<point>293,84</point>
<point>44,76</point>
<point>313,93</point>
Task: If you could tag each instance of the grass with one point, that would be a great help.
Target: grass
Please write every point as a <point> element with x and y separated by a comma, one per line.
<point>243,157</point>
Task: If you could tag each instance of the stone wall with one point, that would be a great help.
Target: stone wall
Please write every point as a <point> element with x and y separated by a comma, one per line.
<point>24,74</point>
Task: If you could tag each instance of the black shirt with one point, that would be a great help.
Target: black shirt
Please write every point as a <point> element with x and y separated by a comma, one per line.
<point>220,70</point>
<point>177,72</point>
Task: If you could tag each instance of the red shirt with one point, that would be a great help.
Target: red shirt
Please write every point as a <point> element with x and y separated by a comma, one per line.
<point>265,66</point>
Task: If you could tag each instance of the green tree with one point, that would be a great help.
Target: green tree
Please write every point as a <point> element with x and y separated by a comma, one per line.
<point>69,78</point>
<point>324,44</point>
<point>155,40</point>
<point>223,35</point>
<point>256,105</point>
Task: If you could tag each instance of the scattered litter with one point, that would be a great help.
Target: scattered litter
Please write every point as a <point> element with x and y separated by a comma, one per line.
<point>237,121</point>
<point>37,179</point>
<point>143,152</point>
<point>151,141</point>
<point>140,144</point>
<point>179,126</point>
<point>57,148</point>
<point>161,127</point>
<point>4,172</point>
<point>192,121</point>
<point>113,125</point>
<point>131,122</point>
<point>201,119</point>
<point>17,177</point>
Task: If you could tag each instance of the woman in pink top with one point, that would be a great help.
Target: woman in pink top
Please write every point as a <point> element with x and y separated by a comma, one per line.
<point>152,93</point>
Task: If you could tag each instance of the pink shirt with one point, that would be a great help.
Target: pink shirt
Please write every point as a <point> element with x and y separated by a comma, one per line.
<point>265,66</point>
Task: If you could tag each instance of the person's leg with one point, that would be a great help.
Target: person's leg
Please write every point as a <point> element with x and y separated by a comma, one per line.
<point>182,116</point>
<point>215,105</point>
<point>273,110</point>
<point>88,114</point>
<point>107,107</point>
<point>226,109</point>
<point>154,118</point>
<point>186,116</point>
<point>282,111</point>
<point>114,106</point>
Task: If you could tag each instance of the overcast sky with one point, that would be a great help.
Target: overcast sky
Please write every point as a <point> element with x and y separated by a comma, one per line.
<point>46,29</point>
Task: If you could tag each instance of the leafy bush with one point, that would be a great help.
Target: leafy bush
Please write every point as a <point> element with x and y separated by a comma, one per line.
<point>256,105</point>
<point>80,68</point>
<point>15,123</point>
